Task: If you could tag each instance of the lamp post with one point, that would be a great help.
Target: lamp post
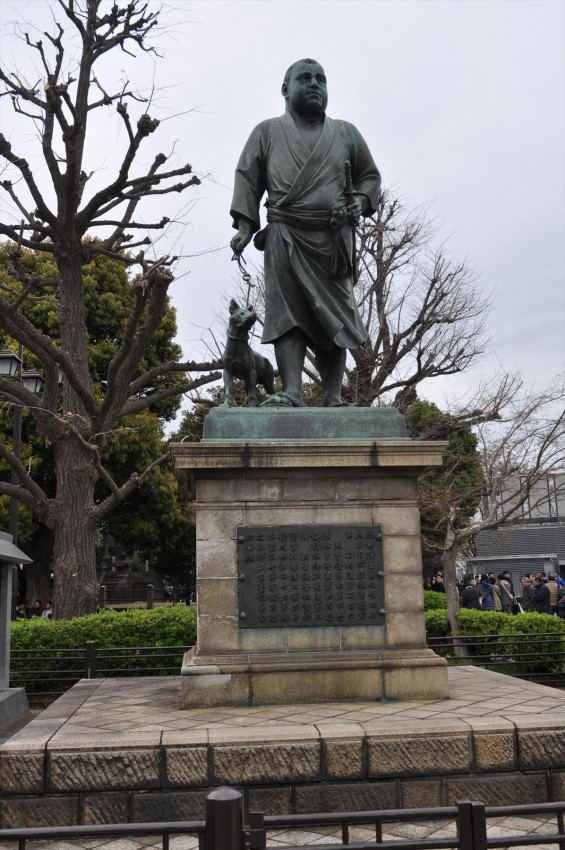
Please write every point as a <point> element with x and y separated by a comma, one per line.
<point>11,367</point>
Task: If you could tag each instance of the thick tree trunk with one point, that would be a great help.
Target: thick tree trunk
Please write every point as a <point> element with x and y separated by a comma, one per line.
<point>38,574</point>
<point>75,587</point>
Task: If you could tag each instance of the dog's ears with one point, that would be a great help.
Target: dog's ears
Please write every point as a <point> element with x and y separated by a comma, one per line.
<point>233,306</point>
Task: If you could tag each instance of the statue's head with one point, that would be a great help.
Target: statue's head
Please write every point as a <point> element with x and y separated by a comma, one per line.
<point>305,88</point>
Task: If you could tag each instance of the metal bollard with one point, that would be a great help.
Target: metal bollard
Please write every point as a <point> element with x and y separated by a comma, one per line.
<point>471,825</point>
<point>90,660</point>
<point>102,596</point>
<point>150,596</point>
<point>224,820</point>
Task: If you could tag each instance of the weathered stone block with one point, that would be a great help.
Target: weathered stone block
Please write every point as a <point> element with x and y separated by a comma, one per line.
<point>219,522</point>
<point>541,748</point>
<point>415,682</point>
<point>216,558</point>
<point>27,812</point>
<point>498,790</point>
<point>402,520</point>
<point>103,770</point>
<point>289,514</point>
<point>242,489</point>
<point>376,489</point>
<point>217,634</point>
<point>297,762</point>
<point>270,801</point>
<point>320,637</point>
<point>401,554</point>
<point>185,766</point>
<point>105,808</point>
<point>314,686</point>
<point>174,806</point>
<point>347,797</point>
<point>494,750</point>
<point>263,640</point>
<point>301,489</point>
<point>22,773</point>
<point>363,637</point>
<point>343,759</point>
<point>419,756</point>
<point>404,629</point>
<point>407,597</point>
<point>213,690</point>
<point>421,795</point>
<point>217,597</point>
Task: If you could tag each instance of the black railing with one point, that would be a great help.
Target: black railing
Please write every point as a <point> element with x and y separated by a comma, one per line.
<point>537,657</point>
<point>48,673</point>
<point>223,828</point>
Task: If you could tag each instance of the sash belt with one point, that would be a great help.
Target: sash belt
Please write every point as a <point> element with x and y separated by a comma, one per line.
<point>340,263</point>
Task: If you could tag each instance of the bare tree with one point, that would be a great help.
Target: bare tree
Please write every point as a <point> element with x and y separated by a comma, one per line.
<point>517,447</point>
<point>75,227</point>
<point>423,312</point>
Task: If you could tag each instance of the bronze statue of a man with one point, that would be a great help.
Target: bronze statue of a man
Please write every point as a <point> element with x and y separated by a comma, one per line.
<point>300,160</point>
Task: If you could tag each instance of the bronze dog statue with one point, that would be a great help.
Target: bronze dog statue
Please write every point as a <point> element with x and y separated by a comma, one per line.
<point>240,361</point>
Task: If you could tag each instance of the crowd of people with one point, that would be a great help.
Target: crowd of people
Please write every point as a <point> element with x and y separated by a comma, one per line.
<point>542,593</point>
<point>35,610</point>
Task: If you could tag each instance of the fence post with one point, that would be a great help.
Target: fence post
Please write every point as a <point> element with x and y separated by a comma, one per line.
<point>224,820</point>
<point>471,825</point>
<point>150,596</point>
<point>102,596</point>
<point>90,660</point>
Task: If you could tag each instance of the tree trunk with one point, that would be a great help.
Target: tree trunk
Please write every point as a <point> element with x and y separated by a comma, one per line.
<point>448,559</point>
<point>38,574</point>
<point>75,590</point>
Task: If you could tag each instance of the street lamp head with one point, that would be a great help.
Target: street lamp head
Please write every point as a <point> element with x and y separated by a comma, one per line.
<point>32,381</point>
<point>9,363</point>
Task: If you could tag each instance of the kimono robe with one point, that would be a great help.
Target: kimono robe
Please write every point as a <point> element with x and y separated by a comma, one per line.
<point>302,187</point>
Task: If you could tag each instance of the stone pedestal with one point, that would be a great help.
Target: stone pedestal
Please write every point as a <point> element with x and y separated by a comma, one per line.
<point>299,469</point>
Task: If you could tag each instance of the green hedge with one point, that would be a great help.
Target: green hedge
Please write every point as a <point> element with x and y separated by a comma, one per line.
<point>493,629</point>
<point>44,674</point>
<point>174,626</point>
<point>434,600</point>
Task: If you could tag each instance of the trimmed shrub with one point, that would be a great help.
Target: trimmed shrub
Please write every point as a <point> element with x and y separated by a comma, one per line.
<point>53,672</point>
<point>548,652</point>
<point>175,626</point>
<point>434,601</point>
<point>437,624</point>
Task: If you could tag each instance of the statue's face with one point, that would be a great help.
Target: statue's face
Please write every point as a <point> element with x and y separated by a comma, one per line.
<point>307,91</point>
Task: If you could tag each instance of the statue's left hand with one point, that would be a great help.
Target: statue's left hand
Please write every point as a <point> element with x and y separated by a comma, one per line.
<point>240,241</point>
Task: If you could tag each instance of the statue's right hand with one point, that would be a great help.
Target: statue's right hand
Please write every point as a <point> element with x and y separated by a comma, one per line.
<point>240,241</point>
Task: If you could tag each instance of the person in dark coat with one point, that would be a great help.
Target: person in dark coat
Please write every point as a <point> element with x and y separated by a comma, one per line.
<point>471,597</point>
<point>541,597</point>
<point>527,594</point>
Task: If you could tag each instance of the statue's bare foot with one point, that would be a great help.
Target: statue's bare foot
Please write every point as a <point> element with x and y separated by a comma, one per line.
<point>281,400</point>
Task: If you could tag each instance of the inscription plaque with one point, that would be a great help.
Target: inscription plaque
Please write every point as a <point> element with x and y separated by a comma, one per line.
<point>296,576</point>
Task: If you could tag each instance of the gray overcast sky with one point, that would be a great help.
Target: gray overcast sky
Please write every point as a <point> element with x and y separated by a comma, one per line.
<point>462,103</point>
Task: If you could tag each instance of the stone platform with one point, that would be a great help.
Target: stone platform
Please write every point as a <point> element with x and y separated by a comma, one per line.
<point>122,750</point>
